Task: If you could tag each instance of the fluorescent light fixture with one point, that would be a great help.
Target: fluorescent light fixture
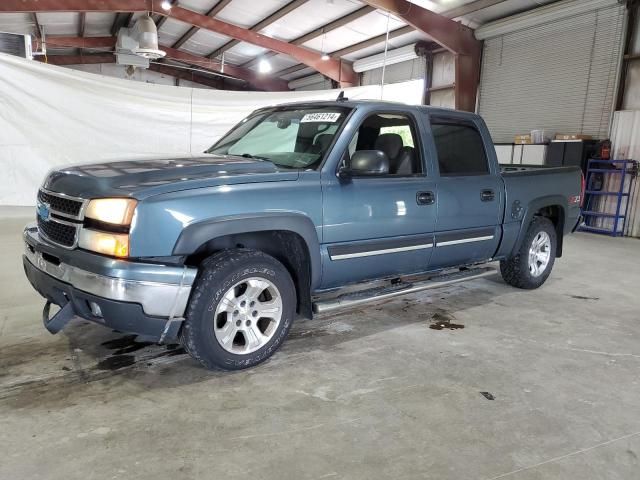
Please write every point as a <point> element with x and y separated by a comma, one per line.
<point>393,56</point>
<point>264,66</point>
<point>166,5</point>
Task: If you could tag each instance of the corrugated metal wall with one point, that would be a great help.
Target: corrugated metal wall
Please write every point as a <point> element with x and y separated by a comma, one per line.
<point>398,72</point>
<point>322,84</point>
<point>560,75</point>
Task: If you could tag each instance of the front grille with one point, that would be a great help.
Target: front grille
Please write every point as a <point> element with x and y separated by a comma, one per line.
<point>59,233</point>
<point>60,204</point>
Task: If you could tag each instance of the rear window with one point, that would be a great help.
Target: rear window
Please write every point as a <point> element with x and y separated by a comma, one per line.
<point>460,149</point>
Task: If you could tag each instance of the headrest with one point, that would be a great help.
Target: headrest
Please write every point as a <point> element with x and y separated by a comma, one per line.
<point>389,143</point>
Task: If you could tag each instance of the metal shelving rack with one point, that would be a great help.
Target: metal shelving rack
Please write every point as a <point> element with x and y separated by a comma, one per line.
<point>623,168</point>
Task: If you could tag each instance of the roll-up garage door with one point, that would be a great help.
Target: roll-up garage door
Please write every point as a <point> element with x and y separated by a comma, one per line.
<point>554,69</point>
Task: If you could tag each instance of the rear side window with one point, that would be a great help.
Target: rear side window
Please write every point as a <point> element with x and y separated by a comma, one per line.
<point>460,149</point>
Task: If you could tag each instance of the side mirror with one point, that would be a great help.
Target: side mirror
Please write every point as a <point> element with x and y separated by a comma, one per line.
<point>366,163</point>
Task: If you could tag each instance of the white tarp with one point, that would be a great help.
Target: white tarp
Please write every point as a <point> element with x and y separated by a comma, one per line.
<point>52,116</point>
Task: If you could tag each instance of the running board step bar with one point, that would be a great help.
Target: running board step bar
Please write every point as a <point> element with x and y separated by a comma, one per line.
<point>350,300</point>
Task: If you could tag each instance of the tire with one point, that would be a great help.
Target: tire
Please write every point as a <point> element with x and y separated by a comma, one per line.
<point>216,310</point>
<point>523,270</point>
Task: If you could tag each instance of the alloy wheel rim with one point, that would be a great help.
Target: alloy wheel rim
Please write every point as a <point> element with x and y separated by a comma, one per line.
<point>539,254</point>
<point>248,315</point>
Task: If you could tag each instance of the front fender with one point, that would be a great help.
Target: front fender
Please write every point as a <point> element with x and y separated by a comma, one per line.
<point>197,234</point>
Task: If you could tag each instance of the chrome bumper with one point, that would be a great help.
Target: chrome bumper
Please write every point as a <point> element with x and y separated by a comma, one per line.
<point>158,299</point>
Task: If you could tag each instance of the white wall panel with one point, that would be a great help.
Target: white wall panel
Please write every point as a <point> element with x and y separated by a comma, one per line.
<point>625,136</point>
<point>444,69</point>
<point>443,98</point>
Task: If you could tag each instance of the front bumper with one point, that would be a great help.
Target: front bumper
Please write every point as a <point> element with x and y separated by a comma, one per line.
<point>141,298</point>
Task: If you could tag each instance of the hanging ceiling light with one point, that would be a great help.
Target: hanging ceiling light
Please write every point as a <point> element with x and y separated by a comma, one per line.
<point>166,5</point>
<point>146,33</point>
<point>264,66</point>
<point>325,55</point>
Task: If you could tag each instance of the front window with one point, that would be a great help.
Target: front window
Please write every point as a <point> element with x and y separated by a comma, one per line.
<point>296,137</point>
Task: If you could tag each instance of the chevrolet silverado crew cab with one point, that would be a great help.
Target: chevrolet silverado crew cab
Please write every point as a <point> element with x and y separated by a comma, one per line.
<point>222,251</point>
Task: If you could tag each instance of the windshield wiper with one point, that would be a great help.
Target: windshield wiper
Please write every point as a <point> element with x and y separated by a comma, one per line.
<point>257,157</point>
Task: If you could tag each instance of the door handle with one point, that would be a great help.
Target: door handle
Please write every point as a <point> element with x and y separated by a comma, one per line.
<point>425,198</point>
<point>487,195</point>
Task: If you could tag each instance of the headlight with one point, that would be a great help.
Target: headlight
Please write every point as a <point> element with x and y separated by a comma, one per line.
<point>114,244</point>
<point>118,211</point>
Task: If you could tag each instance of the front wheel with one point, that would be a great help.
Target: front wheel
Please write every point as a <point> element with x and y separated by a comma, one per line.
<point>240,311</point>
<point>532,264</point>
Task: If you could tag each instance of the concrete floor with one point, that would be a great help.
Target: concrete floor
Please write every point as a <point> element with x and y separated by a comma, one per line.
<point>372,393</point>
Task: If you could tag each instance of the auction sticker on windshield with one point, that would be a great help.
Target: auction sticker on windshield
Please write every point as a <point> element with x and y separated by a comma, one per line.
<point>321,117</point>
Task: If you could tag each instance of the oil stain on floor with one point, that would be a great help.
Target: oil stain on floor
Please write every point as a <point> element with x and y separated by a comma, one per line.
<point>442,320</point>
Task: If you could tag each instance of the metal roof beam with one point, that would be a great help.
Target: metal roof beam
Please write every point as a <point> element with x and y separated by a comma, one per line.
<point>335,24</point>
<point>121,20</point>
<point>452,35</point>
<point>453,13</point>
<point>250,76</point>
<point>254,78</point>
<point>332,68</point>
<point>64,60</point>
<point>291,69</point>
<point>213,11</point>
<point>274,17</point>
<point>217,83</point>
<point>353,48</point>
<point>79,59</point>
<point>160,20</point>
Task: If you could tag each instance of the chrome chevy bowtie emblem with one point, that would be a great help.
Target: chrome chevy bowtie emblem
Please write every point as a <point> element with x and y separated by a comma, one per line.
<point>44,211</point>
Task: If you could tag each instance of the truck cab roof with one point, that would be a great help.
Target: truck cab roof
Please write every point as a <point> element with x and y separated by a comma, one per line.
<point>372,104</point>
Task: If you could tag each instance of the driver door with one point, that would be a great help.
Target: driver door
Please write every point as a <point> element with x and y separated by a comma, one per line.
<point>379,226</point>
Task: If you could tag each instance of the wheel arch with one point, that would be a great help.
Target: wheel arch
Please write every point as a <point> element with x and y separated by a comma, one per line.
<point>291,238</point>
<point>553,207</point>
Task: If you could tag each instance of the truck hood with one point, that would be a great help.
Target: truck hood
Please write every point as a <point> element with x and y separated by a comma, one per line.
<point>152,176</point>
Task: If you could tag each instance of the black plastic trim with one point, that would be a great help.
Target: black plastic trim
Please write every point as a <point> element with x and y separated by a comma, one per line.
<point>372,246</point>
<point>465,234</point>
<point>196,235</point>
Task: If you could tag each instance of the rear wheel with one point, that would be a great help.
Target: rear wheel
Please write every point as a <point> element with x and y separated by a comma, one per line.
<point>532,264</point>
<point>240,311</point>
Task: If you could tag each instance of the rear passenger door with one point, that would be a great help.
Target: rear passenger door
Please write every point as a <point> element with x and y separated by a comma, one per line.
<point>469,192</point>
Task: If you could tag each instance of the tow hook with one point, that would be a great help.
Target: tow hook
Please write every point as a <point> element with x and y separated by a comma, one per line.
<point>60,319</point>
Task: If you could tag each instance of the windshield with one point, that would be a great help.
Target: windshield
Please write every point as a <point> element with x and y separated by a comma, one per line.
<point>289,137</point>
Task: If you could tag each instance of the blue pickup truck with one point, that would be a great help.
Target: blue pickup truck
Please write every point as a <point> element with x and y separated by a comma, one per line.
<point>299,209</point>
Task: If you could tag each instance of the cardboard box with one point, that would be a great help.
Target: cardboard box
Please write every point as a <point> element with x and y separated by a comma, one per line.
<point>572,136</point>
<point>523,139</point>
